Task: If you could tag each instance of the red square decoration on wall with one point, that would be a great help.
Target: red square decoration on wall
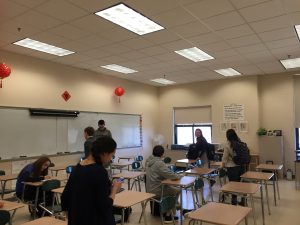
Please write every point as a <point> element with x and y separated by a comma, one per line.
<point>66,96</point>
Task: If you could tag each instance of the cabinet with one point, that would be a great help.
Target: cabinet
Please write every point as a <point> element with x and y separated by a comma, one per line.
<point>271,149</point>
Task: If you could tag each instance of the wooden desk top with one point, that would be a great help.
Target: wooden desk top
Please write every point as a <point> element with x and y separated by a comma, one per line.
<point>269,166</point>
<point>183,181</point>
<point>8,177</point>
<point>126,157</point>
<point>221,214</point>
<point>200,171</point>
<point>46,221</point>
<point>9,206</point>
<point>128,174</point>
<point>240,187</point>
<point>122,164</point>
<point>40,183</point>
<point>126,199</point>
<point>58,190</point>
<point>257,175</point>
<point>186,161</point>
<point>215,164</point>
<point>57,168</point>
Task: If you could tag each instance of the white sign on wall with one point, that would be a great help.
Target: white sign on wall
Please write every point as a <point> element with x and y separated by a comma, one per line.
<point>234,112</point>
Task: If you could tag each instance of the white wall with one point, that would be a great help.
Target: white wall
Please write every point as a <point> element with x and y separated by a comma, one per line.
<point>39,84</point>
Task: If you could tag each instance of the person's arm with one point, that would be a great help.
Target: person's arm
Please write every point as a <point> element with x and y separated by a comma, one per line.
<point>225,155</point>
<point>109,133</point>
<point>66,195</point>
<point>165,172</point>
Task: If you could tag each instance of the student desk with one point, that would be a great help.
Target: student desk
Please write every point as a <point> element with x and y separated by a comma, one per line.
<point>11,207</point>
<point>201,172</point>
<point>240,188</point>
<point>128,175</point>
<point>46,221</point>
<point>127,199</point>
<point>56,169</point>
<point>129,158</point>
<point>274,168</point>
<point>221,214</point>
<point>121,165</point>
<point>187,162</point>
<point>183,182</point>
<point>4,179</point>
<point>262,178</point>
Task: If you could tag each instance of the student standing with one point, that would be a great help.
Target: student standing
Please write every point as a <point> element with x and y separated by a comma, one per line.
<point>234,171</point>
<point>88,196</point>
<point>89,139</point>
<point>102,130</point>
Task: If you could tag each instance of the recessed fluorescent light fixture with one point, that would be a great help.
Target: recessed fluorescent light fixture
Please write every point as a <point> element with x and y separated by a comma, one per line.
<point>118,68</point>
<point>297,28</point>
<point>131,20</point>
<point>163,81</point>
<point>290,63</point>
<point>194,54</point>
<point>43,47</point>
<point>228,72</point>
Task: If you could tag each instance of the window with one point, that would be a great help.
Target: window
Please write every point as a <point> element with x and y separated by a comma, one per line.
<point>297,139</point>
<point>185,133</point>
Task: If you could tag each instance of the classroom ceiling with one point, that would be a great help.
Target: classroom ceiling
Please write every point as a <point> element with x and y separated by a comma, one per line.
<point>250,36</point>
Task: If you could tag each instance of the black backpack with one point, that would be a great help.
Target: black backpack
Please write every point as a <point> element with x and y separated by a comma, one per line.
<point>210,152</point>
<point>241,153</point>
<point>193,152</point>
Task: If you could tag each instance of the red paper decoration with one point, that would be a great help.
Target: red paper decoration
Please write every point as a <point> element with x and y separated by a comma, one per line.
<point>4,72</point>
<point>66,96</point>
<point>119,91</point>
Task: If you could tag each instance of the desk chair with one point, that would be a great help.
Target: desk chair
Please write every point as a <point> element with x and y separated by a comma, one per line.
<point>4,217</point>
<point>166,205</point>
<point>139,159</point>
<point>135,166</point>
<point>47,187</point>
<point>69,170</point>
<point>6,191</point>
<point>199,185</point>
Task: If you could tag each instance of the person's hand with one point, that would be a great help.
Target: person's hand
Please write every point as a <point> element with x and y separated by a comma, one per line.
<point>116,186</point>
<point>47,177</point>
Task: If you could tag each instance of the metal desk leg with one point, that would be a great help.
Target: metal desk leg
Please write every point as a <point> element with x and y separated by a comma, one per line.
<point>36,201</point>
<point>128,180</point>
<point>143,211</point>
<point>253,209</point>
<point>181,210</point>
<point>122,220</point>
<point>139,183</point>
<point>3,183</point>
<point>276,176</point>
<point>274,190</point>
<point>262,202</point>
<point>267,196</point>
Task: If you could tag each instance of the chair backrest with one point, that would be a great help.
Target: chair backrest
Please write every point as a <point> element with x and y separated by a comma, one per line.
<point>139,158</point>
<point>167,159</point>
<point>69,169</point>
<point>199,183</point>
<point>2,172</point>
<point>135,165</point>
<point>4,217</point>
<point>49,185</point>
<point>167,203</point>
<point>222,172</point>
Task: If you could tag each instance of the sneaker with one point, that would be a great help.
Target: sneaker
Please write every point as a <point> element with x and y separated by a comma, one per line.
<point>168,219</point>
<point>212,182</point>
<point>186,211</point>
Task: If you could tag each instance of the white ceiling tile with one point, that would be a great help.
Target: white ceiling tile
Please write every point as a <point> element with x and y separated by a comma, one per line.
<point>117,34</point>
<point>11,9</point>
<point>94,5</point>
<point>133,55</point>
<point>295,17</point>
<point>259,57</point>
<point>137,43</point>
<point>273,35</point>
<point>8,38</point>
<point>162,36</point>
<point>75,46</point>
<point>251,48</point>
<point>204,39</point>
<point>291,5</point>
<point>12,26</point>
<point>177,45</point>
<point>271,24</point>
<point>283,43</point>
<point>230,19</point>
<point>248,70</point>
<point>114,60</point>
<point>271,67</point>
<point>72,59</point>
<point>285,52</point>
<point>215,47</point>
<point>96,53</point>
<point>244,41</point>
<point>226,53</point>
<point>235,60</point>
<point>262,11</point>
<point>190,29</point>
<point>30,3</point>
<point>244,3</point>
<point>115,48</point>
<point>167,19</point>
<point>147,60</point>
<point>49,38</point>
<point>235,32</point>
<point>155,50</point>
<point>69,31</point>
<point>207,8</point>
<point>61,10</point>
<point>94,41</point>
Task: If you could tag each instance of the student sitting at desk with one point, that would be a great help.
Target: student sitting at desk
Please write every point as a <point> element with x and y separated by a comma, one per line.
<point>88,196</point>
<point>157,171</point>
<point>33,172</point>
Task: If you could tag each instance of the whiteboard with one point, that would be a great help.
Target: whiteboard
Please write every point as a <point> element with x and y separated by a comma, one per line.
<point>22,134</point>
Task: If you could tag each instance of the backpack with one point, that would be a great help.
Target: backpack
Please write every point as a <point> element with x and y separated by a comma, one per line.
<point>210,151</point>
<point>241,153</point>
<point>192,152</point>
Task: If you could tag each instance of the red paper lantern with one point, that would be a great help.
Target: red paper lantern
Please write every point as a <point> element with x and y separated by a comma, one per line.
<point>119,91</point>
<point>4,72</point>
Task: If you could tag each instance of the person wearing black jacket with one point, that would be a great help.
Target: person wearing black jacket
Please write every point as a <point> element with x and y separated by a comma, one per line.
<point>88,196</point>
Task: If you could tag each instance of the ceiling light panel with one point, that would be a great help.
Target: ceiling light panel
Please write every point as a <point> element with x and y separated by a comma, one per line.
<point>131,20</point>
<point>297,28</point>
<point>118,68</point>
<point>194,54</point>
<point>43,47</point>
<point>290,63</point>
<point>163,81</point>
<point>228,72</point>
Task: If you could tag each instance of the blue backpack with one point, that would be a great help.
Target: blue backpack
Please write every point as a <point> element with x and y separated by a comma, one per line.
<point>241,153</point>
